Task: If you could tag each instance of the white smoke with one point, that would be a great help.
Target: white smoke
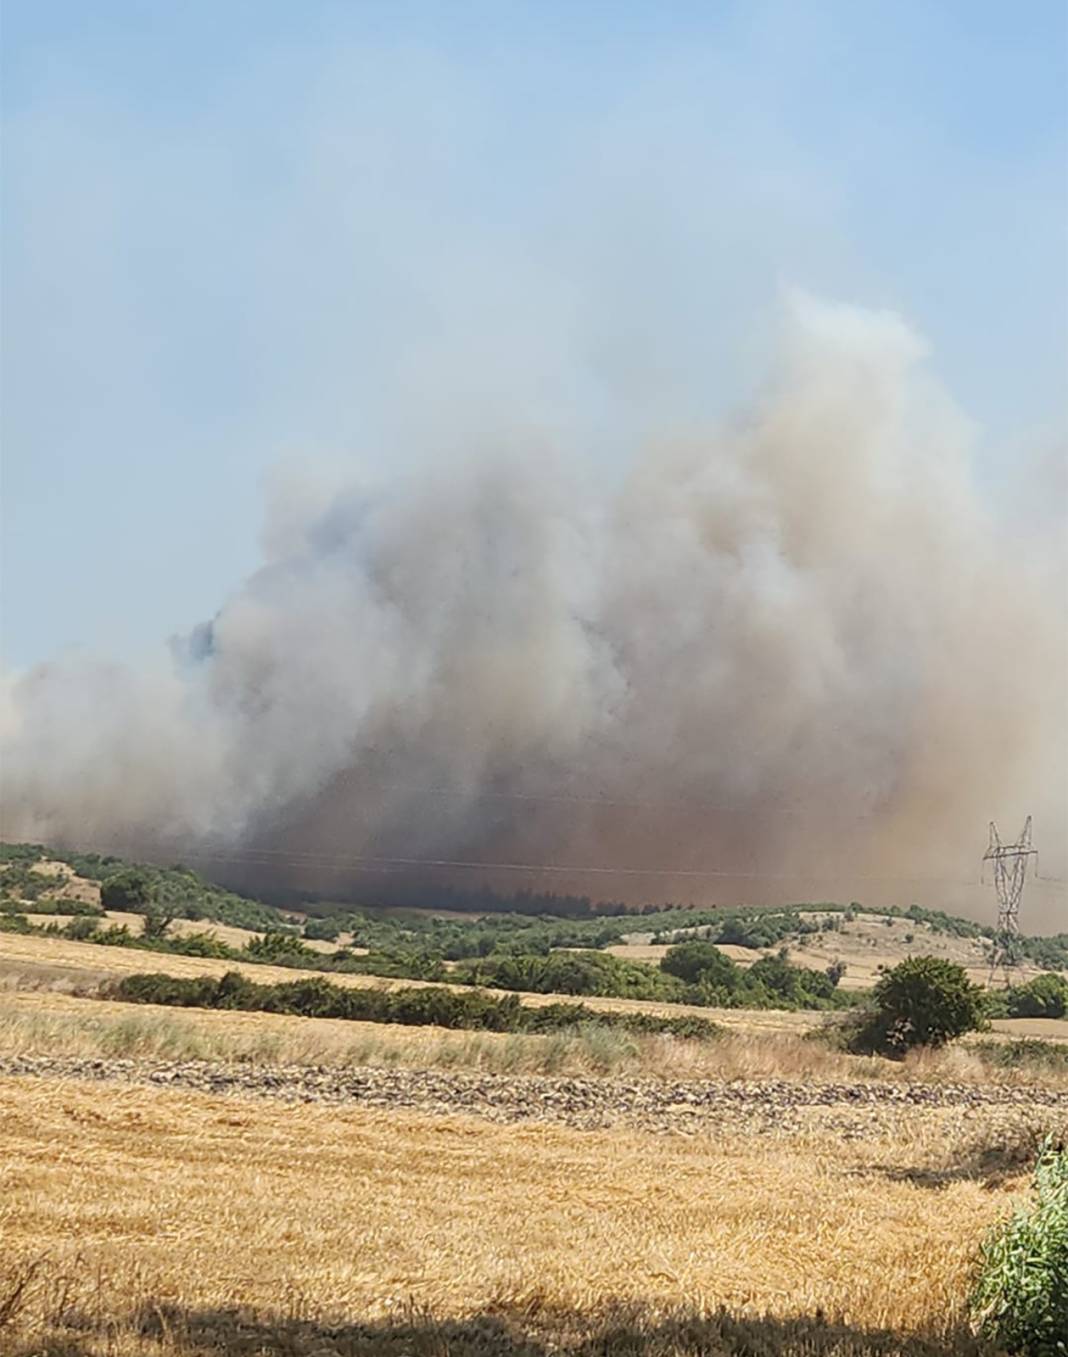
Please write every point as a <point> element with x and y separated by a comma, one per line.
<point>805,627</point>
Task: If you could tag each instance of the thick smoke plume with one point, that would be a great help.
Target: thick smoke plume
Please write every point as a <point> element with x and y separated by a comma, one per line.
<point>797,652</point>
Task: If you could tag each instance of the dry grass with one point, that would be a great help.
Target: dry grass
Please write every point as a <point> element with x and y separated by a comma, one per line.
<point>41,1023</point>
<point>152,1215</point>
<point>22,958</point>
<point>761,1042</point>
<point>185,928</point>
<point>47,1022</point>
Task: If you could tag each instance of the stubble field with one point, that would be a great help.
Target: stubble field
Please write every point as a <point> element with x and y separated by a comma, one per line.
<point>149,1221</point>
<point>186,1184</point>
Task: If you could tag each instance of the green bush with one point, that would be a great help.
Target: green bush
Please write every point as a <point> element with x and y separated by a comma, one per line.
<point>132,889</point>
<point>82,928</point>
<point>279,948</point>
<point>431,1005</point>
<point>701,963</point>
<point>1046,996</point>
<point>20,882</point>
<point>581,972</point>
<point>322,930</point>
<point>199,944</point>
<point>923,1001</point>
<point>1020,1296</point>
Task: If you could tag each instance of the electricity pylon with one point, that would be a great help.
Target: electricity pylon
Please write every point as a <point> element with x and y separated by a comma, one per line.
<point>1010,872</point>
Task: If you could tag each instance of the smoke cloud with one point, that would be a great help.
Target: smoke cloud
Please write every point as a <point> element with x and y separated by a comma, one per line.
<point>799,652</point>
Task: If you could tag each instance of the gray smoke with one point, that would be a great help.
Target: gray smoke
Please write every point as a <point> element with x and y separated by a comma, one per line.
<point>799,648</point>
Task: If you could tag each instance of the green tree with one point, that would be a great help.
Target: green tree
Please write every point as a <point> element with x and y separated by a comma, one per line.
<point>157,918</point>
<point>700,963</point>
<point>131,889</point>
<point>923,1001</point>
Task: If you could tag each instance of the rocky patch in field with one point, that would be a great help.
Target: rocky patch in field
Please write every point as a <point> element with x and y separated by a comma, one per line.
<point>589,1104</point>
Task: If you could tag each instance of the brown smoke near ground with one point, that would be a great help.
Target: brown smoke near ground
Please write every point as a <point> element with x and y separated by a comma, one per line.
<point>798,652</point>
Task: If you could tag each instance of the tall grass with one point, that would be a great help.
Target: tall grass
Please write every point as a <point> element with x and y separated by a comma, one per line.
<point>585,1049</point>
<point>57,1023</point>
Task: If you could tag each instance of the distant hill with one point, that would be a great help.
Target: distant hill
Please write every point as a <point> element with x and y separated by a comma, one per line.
<point>45,877</point>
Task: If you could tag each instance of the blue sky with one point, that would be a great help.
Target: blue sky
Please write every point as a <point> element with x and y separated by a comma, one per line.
<point>238,235</point>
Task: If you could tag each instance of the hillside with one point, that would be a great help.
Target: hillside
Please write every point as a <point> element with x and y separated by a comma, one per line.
<point>32,875</point>
<point>864,944</point>
<point>604,951</point>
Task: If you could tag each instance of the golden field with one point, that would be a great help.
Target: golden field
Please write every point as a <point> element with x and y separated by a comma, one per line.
<point>147,1221</point>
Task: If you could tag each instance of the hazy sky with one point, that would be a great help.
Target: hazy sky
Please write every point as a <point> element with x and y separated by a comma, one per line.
<point>244,234</point>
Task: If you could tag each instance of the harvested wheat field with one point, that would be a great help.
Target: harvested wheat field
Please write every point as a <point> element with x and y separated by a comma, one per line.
<point>152,1221</point>
<point>194,1183</point>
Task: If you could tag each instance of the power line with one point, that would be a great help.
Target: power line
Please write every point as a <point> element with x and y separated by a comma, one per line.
<point>1010,872</point>
<point>378,863</point>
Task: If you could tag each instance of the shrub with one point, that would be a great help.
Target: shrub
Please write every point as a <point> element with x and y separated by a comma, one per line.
<point>1046,996</point>
<point>155,922</point>
<point>131,889</point>
<point>700,963</point>
<point>576,972</point>
<point>280,948</point>
<point>923,1001</point>
<point>81,928</point>
<point>322,930</point>
<point>430,1005</point>
<point>199,944</point>
<point>20,882</point>
<point>1020,1296</point>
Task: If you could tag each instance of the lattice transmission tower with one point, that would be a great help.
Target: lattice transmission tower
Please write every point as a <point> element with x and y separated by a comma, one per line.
<point>1010,872</point>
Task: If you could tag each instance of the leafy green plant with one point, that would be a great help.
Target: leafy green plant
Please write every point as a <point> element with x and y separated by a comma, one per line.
<point>431,1005</point>
<point>82,928</point>
<point>1020,1295</point>
<point>277,947</point>
<point>133,890</point>
<point>1046,996</point>
<point>923,1001</point>
<point>701,962</point>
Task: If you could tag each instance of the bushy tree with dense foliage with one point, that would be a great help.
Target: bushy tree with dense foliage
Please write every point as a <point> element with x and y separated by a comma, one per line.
<point>132,889</point>
<point>923,1001</point>
<point>700,962</point>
